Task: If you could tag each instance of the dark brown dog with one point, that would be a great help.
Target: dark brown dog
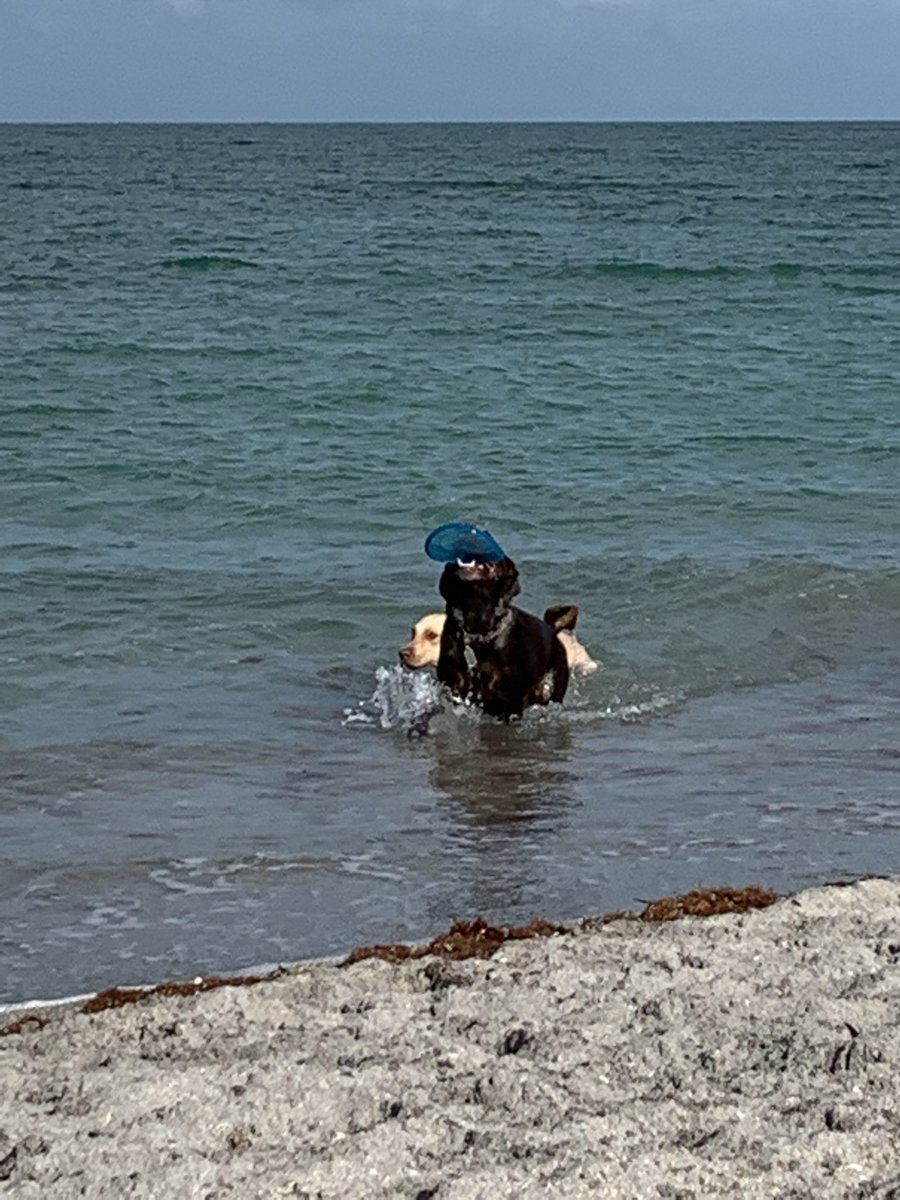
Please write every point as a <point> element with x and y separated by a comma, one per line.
<point>494,654</point>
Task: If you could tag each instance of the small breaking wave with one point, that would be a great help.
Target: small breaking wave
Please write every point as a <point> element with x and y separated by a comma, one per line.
<point>633,711</point>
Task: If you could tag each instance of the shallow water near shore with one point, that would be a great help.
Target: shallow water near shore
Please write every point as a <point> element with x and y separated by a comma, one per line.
<point>246,371</point>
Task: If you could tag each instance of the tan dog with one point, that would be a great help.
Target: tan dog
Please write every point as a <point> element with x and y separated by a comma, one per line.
<point>424,649</point>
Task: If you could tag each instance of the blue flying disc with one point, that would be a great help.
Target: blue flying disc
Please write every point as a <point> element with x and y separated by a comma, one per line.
<point>461,541</point>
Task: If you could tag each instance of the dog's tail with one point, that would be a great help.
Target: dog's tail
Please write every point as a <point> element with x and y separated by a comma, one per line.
<point>562,616</point>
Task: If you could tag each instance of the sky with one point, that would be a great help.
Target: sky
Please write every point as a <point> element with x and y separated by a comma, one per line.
<point>449,60</point>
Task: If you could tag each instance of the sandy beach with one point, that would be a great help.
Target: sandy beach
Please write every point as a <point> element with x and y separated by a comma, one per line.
<point>750,1054</point>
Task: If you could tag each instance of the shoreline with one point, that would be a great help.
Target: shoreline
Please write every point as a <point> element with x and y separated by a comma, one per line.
<point>748,1054</point>
<point>465,939</point>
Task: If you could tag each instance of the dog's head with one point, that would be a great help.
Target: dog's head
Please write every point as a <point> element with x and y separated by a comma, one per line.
<point>476,592</point>
<point>424,649</point>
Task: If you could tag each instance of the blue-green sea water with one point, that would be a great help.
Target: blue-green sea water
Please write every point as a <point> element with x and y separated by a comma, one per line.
<point>245,369</point>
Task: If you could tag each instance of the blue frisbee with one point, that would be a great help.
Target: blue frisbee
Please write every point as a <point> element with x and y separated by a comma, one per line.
<point>461,541</point>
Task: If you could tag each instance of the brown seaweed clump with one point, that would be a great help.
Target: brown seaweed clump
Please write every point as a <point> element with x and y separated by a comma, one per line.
<point>708,902</point>
<point>478,939</point>
<point>118,997</point>
<point>464,939</point>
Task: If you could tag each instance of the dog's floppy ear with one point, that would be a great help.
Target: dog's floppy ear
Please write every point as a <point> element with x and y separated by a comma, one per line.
<point>562,616</point>
<point>509,573</point>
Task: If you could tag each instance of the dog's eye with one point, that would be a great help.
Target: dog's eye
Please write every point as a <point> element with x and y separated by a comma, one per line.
<point>431,635</point>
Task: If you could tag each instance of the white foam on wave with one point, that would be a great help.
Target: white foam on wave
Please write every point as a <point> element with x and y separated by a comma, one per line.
<point>584,706</point>
<point>655,705</point>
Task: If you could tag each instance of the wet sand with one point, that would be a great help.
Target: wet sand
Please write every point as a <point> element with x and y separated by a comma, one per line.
<point>750,1054</point>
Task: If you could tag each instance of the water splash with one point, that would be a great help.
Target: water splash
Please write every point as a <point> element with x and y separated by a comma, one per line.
<point>407,700</point>
<point>401,700</point>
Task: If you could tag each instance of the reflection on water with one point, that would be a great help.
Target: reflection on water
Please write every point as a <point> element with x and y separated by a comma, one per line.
<point>504,791</point>
<point>503,775</point>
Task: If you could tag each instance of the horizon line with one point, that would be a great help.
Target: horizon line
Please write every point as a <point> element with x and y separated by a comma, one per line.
<point>456,121</point>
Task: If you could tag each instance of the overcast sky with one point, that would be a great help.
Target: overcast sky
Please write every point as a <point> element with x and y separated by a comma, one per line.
<point>414,60</point>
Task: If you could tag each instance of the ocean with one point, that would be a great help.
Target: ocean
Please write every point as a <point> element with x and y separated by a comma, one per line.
<point>244,370</point>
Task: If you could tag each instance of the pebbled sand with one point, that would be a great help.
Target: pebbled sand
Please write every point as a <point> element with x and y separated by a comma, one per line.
<point>753,1055</point>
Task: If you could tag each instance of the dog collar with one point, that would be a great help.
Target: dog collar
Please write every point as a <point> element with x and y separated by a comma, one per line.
<point>484,639</point>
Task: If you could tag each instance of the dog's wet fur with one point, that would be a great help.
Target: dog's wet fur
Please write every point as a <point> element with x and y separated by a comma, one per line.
<point>492,653</point>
